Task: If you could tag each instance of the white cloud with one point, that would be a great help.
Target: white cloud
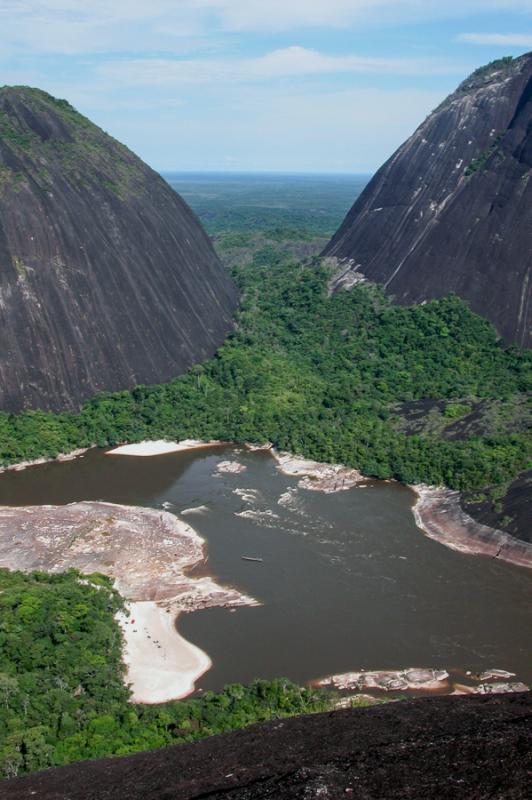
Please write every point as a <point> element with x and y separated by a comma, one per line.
<point>289,62</point>
<point>84,26</point>
<point>276,15</point>
<point>286,14</point>
<point>498,39</point>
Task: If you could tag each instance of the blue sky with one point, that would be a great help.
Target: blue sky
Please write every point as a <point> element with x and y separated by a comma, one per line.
<point>253,85</point>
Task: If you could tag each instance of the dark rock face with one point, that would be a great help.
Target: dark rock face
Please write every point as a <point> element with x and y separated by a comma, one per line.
<point>451,211</point>
<point>510,512</point>
<point>107,279</point>
<point>446,747</point>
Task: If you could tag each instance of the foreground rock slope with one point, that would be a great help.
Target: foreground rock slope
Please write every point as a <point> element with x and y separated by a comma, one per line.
<point>107,278</point>
<point>474,747</point>
<point>451,211</point>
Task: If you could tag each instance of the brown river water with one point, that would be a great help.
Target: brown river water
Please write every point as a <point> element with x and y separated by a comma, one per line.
<point>347,580</point>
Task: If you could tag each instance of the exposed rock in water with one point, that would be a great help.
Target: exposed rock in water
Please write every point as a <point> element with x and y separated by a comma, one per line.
<point>490,674</point>
<point>501,688</point>
<point>515,687</point>
<point>451,211</point>
<point>445,747</point>
<point>107,279</point>
<point>390,680</point>
<point>318,476</point>
<point>439,514</point>
<point>230,467</point>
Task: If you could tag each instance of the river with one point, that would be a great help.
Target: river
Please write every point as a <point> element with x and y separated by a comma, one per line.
<point>347,581</point>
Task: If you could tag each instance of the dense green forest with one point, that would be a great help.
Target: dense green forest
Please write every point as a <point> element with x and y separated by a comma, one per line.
<point>62,696</point>
<point>306,205</point>
<point>319,376</point>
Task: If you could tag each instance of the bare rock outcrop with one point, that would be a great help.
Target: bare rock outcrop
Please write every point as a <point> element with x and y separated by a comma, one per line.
<point>451,211</point>
<point>476,747</point>
<point>439,514</point>
<point>107,279</point>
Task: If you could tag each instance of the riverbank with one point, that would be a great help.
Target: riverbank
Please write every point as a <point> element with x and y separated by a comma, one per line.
<point>314,475</point>
<point>21,465</point>
<point>147,553</point>
<point>440,516</point>
<point>161,664</point>
<point>160,447</point>
<point>146,448</point>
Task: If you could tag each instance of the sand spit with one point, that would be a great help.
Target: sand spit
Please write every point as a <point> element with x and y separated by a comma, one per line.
<point>317,476</point>
<point>161,664</point>
<point>20,465</point>
<point>160,447</point>
<point>146,552</point>
<point>439,514</point>
<point>390,680</point>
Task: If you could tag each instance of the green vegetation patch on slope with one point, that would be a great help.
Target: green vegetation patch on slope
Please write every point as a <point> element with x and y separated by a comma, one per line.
<point>482,76</point>
<point>62,697</point>
<point>317,376</point>
<point>76,142</point>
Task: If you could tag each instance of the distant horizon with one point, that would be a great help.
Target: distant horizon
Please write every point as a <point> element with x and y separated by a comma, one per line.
<point>324,87</point>
<point>273,172</point>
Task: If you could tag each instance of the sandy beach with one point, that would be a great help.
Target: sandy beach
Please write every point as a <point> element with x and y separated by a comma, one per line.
<point>440,516</point>
<point>161,664</point>
<point>161,446</point>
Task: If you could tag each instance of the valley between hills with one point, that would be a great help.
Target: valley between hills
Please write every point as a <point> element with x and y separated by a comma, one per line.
<point>317,364</point>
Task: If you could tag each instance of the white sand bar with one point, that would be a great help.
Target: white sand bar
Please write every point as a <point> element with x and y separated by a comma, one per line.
<point>161,664</point>
<point>161,446</point>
